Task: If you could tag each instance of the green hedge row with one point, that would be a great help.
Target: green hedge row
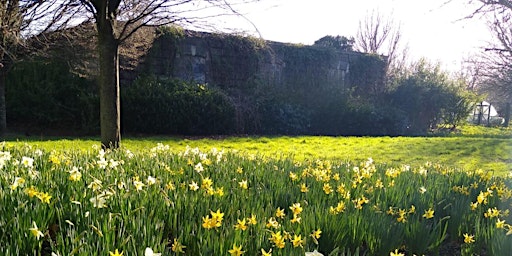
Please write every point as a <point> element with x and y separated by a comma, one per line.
<point>47,95</point>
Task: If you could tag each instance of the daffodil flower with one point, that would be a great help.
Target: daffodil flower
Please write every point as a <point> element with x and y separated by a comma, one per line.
<point>35,231</point>
<point>149,252</point>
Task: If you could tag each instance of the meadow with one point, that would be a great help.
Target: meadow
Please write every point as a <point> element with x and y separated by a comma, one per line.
<point>258,196</point>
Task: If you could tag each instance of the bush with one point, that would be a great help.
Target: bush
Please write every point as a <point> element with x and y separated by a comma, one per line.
<point>166,106</point>
<point>46,94</point>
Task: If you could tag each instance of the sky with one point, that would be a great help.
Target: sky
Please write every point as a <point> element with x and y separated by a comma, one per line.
<point>432,29</point>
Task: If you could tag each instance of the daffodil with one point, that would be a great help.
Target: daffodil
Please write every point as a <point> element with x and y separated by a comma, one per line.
<point>44,197</point>
<point>240,225</point>
<point>252,220</point>
<point>35,231</point>
<point>396,253</point>
<point>304,188</point>
<point>149,252</point>
<point>428,214</point>
<point>27,162</point>
<point>177,246</point>
<point>193,186</point>
<point>116,253</point>
<point>280,213</point>
<point>296,208</point>
<point>18,181</point>
<point>265,253</point>
<point>236,251</point>
<point>297,241</point>
<point>314,253</point>
<point>74,174</point>
<point>151,180</point>
<point>243,184</point>
<point>500,223</point>
<point>469,238</point>
<point>316,234</point>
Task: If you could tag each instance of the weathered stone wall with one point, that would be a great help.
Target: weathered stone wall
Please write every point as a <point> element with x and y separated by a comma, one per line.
<point>233,62</point>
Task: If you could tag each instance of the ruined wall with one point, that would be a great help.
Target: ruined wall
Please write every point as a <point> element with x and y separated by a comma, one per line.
<point>235,62</point>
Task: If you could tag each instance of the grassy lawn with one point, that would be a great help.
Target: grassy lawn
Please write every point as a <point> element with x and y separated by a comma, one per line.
<point>471,148</point>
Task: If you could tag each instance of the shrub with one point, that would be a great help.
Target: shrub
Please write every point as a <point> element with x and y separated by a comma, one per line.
<point>47,94</point>
<point>166,106</point>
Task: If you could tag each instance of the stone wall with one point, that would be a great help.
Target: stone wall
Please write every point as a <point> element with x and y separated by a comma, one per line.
<point>233,61</point>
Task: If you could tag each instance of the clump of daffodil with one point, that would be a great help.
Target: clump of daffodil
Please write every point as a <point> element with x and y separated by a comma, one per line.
<point>277,239</point>
<point>214,221</point>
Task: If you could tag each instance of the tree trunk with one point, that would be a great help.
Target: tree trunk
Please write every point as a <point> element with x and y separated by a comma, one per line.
<point>110,110</point>
<point>3,109</point>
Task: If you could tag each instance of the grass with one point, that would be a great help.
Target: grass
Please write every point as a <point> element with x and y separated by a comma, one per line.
<point>471,148</point>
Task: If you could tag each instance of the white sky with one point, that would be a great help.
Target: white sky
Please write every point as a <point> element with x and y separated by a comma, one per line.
<point>430,28</point>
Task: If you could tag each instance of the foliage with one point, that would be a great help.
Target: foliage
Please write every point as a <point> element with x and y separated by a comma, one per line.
<point>47,94</point>
<point>74,202</point>
<point>164,106</point>
<point>340,43</point>
<point>429,97</point>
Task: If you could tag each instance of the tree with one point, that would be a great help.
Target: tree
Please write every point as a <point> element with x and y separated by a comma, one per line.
<point>380,36</point>
<point>341,43</point>
<point>19,18</point>
<point>117,20</point>
<point>495,63</point>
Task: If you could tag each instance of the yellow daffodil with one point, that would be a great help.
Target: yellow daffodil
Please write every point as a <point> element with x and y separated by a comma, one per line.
<point>396,253</point>
<point>474,205</point>
<point>272,223</point>
<point>236,251</point>
<point>265,253</point>
<point>44,197</point>
<point>240,225</point>
<point>34,230</point>
<point>252,220</point>
<point>296,219</point>
<point>428,214</point>
<point>217,215</point>
<point>500,223</point>
<point>297,241</point>
<point>316,234</point>
<point>327,188</point>
<point>469,238</point>
<point>177,246</point>
<point>243,184</point>
<point>304,188</point>
<point>296,208</point>
<point>280,213</point>
<point>116,253</point>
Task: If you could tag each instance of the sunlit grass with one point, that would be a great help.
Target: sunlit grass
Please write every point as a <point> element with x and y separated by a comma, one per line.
<point>471,148</point>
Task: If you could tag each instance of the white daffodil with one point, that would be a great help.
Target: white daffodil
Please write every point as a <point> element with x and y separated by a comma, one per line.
<point>149,252</point>
<point>314,253</point>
